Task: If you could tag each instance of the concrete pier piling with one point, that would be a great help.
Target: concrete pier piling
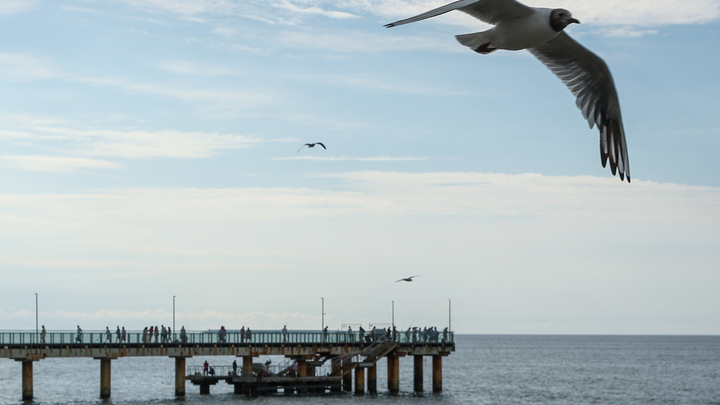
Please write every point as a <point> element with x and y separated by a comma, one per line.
<point>347,382</point>
<point>27,380</point>
<point>437,373</point>
<point>393,374</point>
<point>179,376</point>
<point>372,379</point>
<point>359,381</point>
<point>418,373</point>
<point>104,378</point>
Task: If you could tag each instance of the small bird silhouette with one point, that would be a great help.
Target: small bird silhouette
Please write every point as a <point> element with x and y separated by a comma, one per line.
<point>312,145</point>
<point>409,279</point>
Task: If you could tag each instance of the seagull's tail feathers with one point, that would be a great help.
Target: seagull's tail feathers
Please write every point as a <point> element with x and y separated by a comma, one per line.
<point>432,13</point>
<point>477,41</point>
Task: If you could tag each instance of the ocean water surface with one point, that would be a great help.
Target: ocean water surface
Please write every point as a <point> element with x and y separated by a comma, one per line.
<point>485,369</point>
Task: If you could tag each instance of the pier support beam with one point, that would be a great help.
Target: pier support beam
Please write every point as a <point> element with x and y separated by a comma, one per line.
<point>393,374</point>
<point>418,373</point>
<point>359,381</point>
<point>179,376</point>
<point>437,373</point>
<point>27,380</point>
<point>372,379</point>
<point>104,378</point>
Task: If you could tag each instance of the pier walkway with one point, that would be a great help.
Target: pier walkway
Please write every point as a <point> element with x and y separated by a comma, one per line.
<point>316,361</point>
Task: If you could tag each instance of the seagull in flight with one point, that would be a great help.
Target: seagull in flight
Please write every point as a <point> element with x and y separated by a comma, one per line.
<point>540,31</point>
<point>409,279</point>
<point>312,145</point>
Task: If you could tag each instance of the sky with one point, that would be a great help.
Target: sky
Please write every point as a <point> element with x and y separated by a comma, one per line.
<point>152,149</point>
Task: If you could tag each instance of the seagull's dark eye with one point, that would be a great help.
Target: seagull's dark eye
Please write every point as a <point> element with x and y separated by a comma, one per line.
<point>561,14</point>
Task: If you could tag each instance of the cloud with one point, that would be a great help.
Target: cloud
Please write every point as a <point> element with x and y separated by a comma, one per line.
<point>17,6</point>
<point>131,144</point>
<point>58,164</point>
<point>290,6</point>
<point>24,68</point>
<point>185,7</point>
<point>187,67</point>
<point>613,12</point>
<point>357,159</point>
<point>626,32</point>
<point>526,246</point>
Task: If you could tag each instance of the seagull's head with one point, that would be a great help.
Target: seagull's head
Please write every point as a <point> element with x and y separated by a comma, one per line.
<point>561,18</point>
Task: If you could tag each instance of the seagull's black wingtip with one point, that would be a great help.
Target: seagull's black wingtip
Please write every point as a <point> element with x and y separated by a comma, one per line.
<point>389,25</point>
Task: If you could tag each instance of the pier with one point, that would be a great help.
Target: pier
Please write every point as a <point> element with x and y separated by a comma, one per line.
<point>315,362</point>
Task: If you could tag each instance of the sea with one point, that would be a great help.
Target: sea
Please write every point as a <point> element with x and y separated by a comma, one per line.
<point>484,369</point>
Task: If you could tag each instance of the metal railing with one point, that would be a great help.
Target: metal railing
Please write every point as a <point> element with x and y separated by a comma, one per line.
<point>138,338</point>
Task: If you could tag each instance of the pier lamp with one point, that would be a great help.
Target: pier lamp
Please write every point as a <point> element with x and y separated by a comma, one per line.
<point>393,313</point>
<point>449,315</point>
<point>323,313</point>
<point>173,317</point>
<point>36,317</point>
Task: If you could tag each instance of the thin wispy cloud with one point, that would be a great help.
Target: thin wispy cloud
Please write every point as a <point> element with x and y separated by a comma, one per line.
<point>132,144</point>
<point>195,68</point>
<point>356,159</point>
<point>369,82</point>
<point>294,8</point>
<point>20,67</point>
<point>56,164</point>
<point>17,6</point>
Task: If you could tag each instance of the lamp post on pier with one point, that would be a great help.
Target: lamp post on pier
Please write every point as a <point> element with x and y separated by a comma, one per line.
<point>449,314</point>
<point>36,318</point>
<point>173,317</point>
<point>393,313</point>
<point>323,313</point>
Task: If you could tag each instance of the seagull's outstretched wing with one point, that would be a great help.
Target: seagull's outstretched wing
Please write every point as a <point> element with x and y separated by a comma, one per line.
<point>489,11</point>
<point>321,144</point>
<point>588,77</point>
<point>307,144</point>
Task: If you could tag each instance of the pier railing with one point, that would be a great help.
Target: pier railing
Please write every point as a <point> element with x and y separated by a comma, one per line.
<point>25,338</point>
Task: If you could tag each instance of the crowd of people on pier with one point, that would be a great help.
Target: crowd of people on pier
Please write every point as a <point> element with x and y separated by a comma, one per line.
<point>164,335</point>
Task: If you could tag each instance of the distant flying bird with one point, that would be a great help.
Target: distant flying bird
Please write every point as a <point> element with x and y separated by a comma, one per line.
<point>409,279</point>
<point>312,145</point>
<point>540,31</point>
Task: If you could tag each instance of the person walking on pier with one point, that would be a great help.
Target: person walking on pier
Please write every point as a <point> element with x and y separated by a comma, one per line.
<point>183,335</point>
<point>222,335</point>
<point>325,334</point>
<point>78,338</point>
<point>122,334</point>
<point>206,367</point>
<point>117,334</point>
<point>361,333</point>
<point>234,366</point>
<point>157,333</point>
<point>42,335</point>
<point>248,335</point>
<point>108,335</point>
<point>285,333</point>
<point>350,334</point>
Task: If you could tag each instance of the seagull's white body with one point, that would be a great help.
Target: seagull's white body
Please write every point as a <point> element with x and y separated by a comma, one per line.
<point>522,32</point>
<point>540,31</point>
